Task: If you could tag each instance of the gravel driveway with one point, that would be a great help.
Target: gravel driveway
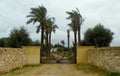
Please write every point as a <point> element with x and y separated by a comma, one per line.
<point>55,70</point>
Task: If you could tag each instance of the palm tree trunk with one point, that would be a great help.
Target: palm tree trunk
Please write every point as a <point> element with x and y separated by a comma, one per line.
<point>68,32</point>
<point>47,45</point>
<point>42,42</point>
<point>49,39</point>
<point>68,41</point>
<point>79,35</point>
<point>75,38</point>
<point>42,33</point>
<point>75,44</point>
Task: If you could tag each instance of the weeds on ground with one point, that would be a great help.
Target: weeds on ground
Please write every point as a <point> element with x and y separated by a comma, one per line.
<point>92,69</point>
<point>18,71</point>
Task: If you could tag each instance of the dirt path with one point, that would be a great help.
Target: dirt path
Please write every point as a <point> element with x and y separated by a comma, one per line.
<point>56,70</point>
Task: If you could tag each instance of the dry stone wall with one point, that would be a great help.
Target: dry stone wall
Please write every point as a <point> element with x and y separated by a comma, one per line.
<point>11,58</point>
<point>106,58</point>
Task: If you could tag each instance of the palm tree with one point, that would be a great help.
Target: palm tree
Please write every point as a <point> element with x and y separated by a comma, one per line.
<point>47,26</point>
<point>74,29</point>
<point>68,36</point>
<point>50,26</point>
<point>73,25</point>
<point>78,20</point>
<point>39,14</point>
<point>53,29</point>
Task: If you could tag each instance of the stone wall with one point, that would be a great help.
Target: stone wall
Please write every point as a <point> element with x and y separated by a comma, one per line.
<point>106,58</point>
<point>11,58</point>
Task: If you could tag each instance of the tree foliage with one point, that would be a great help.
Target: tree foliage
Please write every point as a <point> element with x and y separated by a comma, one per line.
<point>46,25</point>
<point>49,28</point>
<point>39,14</point>
<point>63,42</point>
<point>76,23</point>
<point>5,42</point>
<point>98,36</point>
<point>19,37</point>
<point>36,43</point>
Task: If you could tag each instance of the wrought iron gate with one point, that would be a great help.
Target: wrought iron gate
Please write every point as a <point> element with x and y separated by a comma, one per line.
<point>58,55</point>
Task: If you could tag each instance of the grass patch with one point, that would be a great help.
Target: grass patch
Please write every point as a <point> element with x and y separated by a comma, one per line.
<point>113,74</point>
<point>18,71</point>
<point>92,69</point>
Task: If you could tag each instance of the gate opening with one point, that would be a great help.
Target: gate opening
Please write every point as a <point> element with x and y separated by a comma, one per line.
<point>58,55</point>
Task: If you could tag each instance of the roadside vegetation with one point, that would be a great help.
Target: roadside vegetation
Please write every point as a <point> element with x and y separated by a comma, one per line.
<point>92,69</point>
<point>98,36</point>
<point>87,69</point>
<point>17,38</point>
<point>18,71</point>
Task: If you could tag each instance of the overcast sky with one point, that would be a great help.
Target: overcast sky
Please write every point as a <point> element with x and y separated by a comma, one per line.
<point>107,12</point>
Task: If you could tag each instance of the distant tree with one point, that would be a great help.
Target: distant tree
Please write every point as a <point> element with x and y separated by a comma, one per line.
<point>63,42</point>
<point>36,43</point>
<point>68,37</point>
<point>98,36</point>
<point>19,37</point>
<point>83,43</point>
<point>5,42</point>
<point>1,43</point>
<point>58,45</point>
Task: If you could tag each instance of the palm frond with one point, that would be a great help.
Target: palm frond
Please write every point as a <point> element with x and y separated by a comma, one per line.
<point>29,21</point>
<point>30,15</point>
<point>70,15</point>
<point>38,28</point>
<point>77,10</point>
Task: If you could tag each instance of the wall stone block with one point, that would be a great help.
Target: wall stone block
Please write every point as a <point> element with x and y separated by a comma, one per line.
<point>107,58</point>
<point>11,58</point>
